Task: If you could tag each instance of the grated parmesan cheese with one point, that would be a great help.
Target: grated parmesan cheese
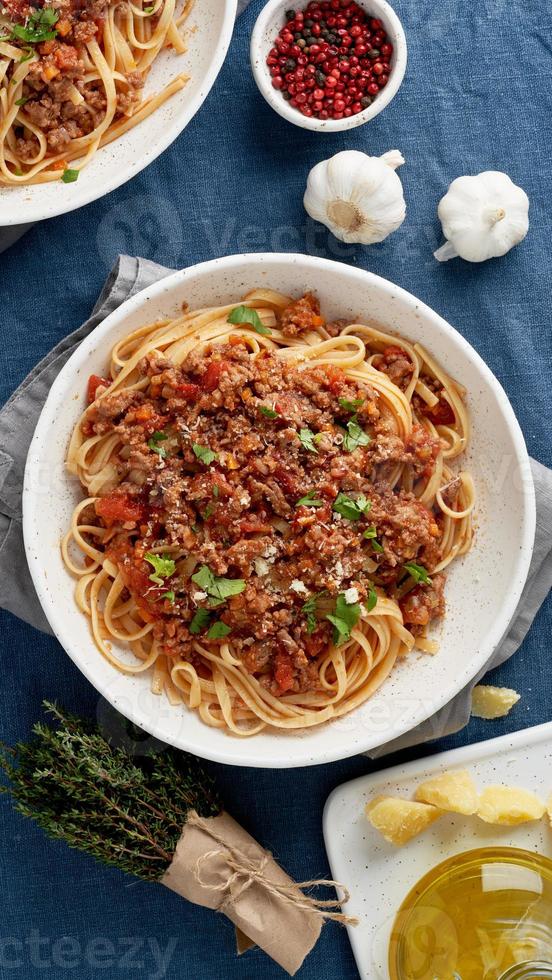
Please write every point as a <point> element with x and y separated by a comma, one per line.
<point>493,702</point>
<point>261,566</point>
<point>299,586</point>
<point>199,596</point>
<point>351,596</point>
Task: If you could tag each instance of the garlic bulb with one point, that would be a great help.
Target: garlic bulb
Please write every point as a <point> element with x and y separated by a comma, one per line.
<point>482,217</point>
<point>359,198</point>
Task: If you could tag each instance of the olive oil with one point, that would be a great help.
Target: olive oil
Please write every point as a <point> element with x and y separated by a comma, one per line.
<point>474,917</point>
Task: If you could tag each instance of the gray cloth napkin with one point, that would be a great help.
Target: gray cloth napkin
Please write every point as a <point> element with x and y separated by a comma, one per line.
<point>8,236</point>
<point>18,419</point>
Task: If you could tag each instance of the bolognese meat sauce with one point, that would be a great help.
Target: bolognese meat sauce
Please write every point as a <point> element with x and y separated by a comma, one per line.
<point>253,492</point>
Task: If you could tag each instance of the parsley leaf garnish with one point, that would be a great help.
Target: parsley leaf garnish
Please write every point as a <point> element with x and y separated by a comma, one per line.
<point>170,596</point>
<point>70,176</point>
<point>350,507</point>
<point>153,443</point>
<point>200,619</point>
<point>243,314</point>
<point>27,56</point>
<point>216,586</point>
<point>218,630</point>
<point>149,10</point>
<point>355,437</point>
<point>310,500</point>
<point>203,453</point>
<point>371,533</point>
<point>371,600</point>
<point>39,27</point>
<point>343,619</point>
<point>269,413</point>
<point>208,512</point>
<point>23,100</point>
<point>307,438</point>
<point>163,566</point>
<point>309,611</point>
<point>351,406</point>
<point>417,572</point>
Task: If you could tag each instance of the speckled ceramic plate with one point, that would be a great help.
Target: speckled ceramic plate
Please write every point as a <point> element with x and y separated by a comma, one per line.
<point>211,23</point>
<point>483,588</point>
<point>380,875</point>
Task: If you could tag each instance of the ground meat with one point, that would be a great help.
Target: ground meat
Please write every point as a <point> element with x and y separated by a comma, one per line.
<point>58,138</point>
<point>237,463</point>
<point>301,316</point>
<point>396,364</point>
<point>127,101</point>
<point>84,31</point>
<point>424,603</point>
<point>27,148</point>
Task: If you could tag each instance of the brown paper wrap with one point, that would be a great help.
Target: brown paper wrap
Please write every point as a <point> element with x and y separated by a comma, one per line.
<point>217,864</point>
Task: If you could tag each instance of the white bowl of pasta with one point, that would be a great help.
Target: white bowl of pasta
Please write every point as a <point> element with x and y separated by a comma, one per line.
<point>94,92</point>
<point>277,485</point>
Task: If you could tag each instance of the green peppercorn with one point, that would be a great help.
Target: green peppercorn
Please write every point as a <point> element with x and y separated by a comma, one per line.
<point>373,54</point>
<point>301,43</point>
<point>290,14</point>
<point>365,101</point>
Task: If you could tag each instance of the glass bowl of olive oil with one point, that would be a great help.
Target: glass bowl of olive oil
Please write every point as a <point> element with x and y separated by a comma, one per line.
<point>485,914</point>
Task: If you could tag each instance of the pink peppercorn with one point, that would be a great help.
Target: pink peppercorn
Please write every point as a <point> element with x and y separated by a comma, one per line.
<point>331,59</point>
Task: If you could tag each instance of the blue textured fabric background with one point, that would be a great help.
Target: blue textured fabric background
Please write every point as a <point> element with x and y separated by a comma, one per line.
<point>477,96</point>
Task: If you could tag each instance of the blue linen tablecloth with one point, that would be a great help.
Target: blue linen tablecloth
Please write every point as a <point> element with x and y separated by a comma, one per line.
<point>477,96</point>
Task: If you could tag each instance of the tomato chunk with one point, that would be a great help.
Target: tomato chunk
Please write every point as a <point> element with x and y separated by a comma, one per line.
<point>119,507</point>
<point>212,376</point>
<point>283,672</point>
<point>336,379</point>
<point>188,391</point>
<point>441,413</point>
<point>94,382</point>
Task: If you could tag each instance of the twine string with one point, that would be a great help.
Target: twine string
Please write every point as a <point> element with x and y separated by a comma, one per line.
<point>245,872</point>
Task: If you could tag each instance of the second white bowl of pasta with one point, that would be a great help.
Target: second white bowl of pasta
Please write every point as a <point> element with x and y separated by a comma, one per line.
<point>92,95</point>
<point>261,539</point>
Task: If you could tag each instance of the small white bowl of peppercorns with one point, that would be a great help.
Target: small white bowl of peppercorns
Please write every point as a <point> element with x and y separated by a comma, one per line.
<point>328,65</point>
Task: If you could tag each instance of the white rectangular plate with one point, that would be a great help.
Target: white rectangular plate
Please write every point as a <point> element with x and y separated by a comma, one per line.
<point>379,875</point>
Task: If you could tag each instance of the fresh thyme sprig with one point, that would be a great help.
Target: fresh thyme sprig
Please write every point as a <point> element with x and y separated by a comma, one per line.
<point>125,812</point>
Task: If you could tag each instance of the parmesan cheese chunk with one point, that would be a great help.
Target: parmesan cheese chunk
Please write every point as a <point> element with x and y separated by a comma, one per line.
<point>508,806</point>
<point>400,820</point>
<point>453,791</point>
<point>350,596</point>
<point>493,702</point>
